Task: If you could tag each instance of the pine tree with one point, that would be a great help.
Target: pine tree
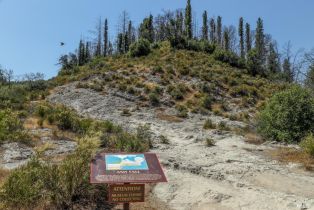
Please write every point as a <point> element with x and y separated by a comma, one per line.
<point>205,26</point>
<point>273,64</point>
<point>87,53</point>
<point>188,20</point>
<point>309,81</point>
<point>288,74</point>
<point>110,48</point>
<point>226,40</point>
<point>81,53</point>
<point>219,30</point>
<point>252,62</point>
<point>106,38</point>
<point>179,23</point>
<point>130,33</point>
<point>120,45</point>
<point>212,30</point>
<point>260,40</point>
<point>241,36</point>
<point>147,29</point>
<point>126,42</point>
<point>248,39</point>
<point>98,43</point>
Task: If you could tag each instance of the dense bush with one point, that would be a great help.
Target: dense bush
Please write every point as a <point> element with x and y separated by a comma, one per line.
<point>11,127</point>
<point>57,186</point>
<point>307,144</point>
<point>140,48</point>
<point>288,115</point>
<point>193,45</point>
<point>228,57</point>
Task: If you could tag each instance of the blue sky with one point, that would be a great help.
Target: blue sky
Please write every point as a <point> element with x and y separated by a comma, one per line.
<point>31,30</point>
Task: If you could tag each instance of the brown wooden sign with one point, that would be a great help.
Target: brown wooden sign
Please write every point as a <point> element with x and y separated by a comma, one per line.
<point>126,168</point>
<point>126,193</point>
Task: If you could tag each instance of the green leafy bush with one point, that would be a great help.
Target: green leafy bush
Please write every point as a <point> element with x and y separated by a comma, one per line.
<point>154,99</point>
<point>140,48</point>
<point>288,115</point>
<point>11,127</point>
<point>207,102</point>
<point>59,186</point>
<point>307,144</point>
<point>228,57</point>
<point>182,111</point>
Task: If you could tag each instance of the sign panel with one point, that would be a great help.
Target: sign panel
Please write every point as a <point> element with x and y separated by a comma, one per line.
<point>126,193</point>
<point>126,168</point>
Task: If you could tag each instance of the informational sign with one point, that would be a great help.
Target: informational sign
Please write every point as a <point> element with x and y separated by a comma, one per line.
<point>126,193</point>
<point>126,168</point>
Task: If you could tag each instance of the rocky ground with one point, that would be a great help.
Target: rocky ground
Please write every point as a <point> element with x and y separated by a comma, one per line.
<point>13,155</point>
<point>232,175</point>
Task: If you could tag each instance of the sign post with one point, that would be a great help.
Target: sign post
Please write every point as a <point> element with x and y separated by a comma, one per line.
<point>121,170</point>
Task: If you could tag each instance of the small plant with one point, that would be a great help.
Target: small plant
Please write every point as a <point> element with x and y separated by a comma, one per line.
<point>164,139</point>
<point>182,111</point>
<point>157,69</point>
<point>209,124</point>
<point>210,142</point>
<point>207,102</point>
<point>126,112</point>
<point>223,126</point>
<point>307,144</point>
<point>154,99</point>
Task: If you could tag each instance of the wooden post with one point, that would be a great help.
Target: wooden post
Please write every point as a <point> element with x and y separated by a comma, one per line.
<point>126,206</point>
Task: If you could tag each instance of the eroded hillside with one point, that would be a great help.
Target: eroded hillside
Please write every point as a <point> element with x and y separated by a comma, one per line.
<point>201,114</point>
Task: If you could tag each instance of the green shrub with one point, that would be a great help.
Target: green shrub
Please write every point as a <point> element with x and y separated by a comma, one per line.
<point>154,99</point>
<point>307,144</point>
<point>210,142</point>
<point>11,127</point>
<point>59,186</point>
<point>65,119</point>
<point>24,187</point>
<point>182,111</point>
<point>228,57</point>
<point>209,124</point>
<point>164,139</point>
<point>207,102</point>
<point>288,115</point>
<point>157,69</point>
<point>140,48</point>
<point>222,125</point>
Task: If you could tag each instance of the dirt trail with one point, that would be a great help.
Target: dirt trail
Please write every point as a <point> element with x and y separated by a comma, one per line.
<point>232,175</point>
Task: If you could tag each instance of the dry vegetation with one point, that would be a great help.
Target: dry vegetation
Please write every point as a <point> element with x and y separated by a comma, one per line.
<point>292,155</point>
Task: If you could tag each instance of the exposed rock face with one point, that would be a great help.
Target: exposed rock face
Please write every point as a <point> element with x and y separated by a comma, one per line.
<point>15,154</point>
<point>231,175</point>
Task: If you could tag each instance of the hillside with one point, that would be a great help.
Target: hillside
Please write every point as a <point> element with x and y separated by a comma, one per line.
<point>196,112</point>
<point>202,116</point>
<point>188,80</point>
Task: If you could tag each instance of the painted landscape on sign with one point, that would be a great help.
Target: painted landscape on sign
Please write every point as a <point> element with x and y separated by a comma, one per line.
<point>126,162</point>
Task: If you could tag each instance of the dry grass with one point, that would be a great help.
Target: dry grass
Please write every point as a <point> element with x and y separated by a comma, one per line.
<point>253,138</point>
<point>3,175</point>
<point>169,118</point>
<point>291,155</point>
<point>31,123</point>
